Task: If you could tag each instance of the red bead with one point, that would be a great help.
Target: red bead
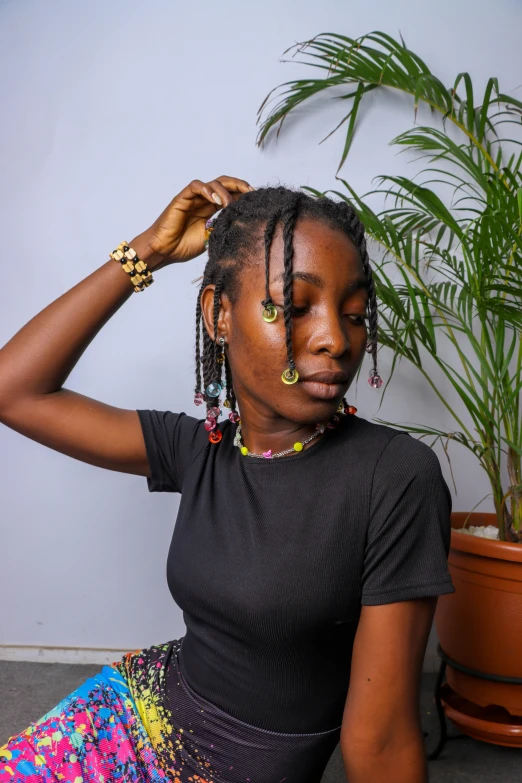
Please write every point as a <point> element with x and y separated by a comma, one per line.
<point>351,410</point>
<point>215,437</point>
<point>210,424</point>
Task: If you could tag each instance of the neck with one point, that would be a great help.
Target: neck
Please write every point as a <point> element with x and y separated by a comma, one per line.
<point>259,442</point>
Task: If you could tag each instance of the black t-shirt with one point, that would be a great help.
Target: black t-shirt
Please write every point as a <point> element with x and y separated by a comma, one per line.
<point>271,559</point>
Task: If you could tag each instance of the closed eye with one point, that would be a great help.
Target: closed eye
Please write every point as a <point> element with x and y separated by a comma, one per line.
<point>356,319</point>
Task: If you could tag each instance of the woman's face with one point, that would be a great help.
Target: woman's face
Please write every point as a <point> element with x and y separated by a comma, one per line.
<point>329,327</point>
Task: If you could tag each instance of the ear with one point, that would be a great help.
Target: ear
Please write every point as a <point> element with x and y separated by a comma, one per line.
<point>207,312</point>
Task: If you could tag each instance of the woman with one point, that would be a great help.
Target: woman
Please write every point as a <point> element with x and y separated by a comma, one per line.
<point>310,544</point>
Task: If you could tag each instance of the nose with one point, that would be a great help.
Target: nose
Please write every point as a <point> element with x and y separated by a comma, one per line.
<point>330,336</point>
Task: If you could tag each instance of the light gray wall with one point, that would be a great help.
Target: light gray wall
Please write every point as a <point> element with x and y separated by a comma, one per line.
<point>108,110</point>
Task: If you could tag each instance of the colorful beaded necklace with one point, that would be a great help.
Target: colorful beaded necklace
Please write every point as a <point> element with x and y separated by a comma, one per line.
<point>215,435</point>
<point>300,444</point>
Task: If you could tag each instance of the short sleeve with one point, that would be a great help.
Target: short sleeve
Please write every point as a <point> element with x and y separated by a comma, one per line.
<point>172,441</point>
<point>409,529</point>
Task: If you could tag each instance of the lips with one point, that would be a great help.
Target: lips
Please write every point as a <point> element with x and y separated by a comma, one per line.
<point>323,391</point>
<point>326,376</point>
<point>325,384</point>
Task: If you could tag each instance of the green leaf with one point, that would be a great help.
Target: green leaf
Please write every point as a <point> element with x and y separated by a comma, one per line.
<point>361,89</point>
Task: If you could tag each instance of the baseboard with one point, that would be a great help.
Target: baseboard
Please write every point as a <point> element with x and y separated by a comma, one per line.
<point>79,655</point>
<point>101,656</point>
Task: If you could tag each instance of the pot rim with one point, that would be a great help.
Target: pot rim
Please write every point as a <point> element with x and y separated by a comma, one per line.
<point>476,545</point>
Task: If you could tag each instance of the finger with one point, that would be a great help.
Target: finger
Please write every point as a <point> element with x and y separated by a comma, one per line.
<point>220,194</point>
<point>233,184</point>
<point>204,190</point>
<point>228,189</point>
<point>192,196</point>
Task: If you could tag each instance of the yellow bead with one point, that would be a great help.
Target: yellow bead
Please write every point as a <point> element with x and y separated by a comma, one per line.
<point>244,451</point>
<point>289,376</point>
<point>298,446</point>
<point>269,313</point>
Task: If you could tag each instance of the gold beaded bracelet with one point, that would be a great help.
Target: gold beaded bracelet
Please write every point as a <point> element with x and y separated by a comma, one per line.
<point>131,264</point>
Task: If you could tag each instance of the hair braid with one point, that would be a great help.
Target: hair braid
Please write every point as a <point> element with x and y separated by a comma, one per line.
<point>289,217</point>
<point>269,236</point>
<point>218,350</point>
<point>372,304</point>
<point>230,396</point>
<point>198,343</point>
<point>357,234</point>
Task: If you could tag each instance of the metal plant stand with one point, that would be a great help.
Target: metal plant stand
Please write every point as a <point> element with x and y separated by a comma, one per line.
<point>445,660</point>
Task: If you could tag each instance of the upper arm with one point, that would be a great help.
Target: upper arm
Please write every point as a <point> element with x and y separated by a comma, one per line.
<point>83,428</point>
<point>387,658</point>
<point>404,570</point>
<point>409,530</point>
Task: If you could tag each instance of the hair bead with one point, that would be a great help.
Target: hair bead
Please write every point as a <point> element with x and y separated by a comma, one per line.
<point>375,379</point>
<point>289,376</point>
<point>214,389</point>
<point>215,437</point>
<point>269,313</point>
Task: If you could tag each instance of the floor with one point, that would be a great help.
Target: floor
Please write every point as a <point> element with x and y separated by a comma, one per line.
<point>29,690</point>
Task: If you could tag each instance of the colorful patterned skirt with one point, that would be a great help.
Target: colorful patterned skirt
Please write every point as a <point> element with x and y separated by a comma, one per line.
<point>122,725</point>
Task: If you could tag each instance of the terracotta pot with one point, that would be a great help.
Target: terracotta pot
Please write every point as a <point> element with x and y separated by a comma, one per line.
<point>480,627</point>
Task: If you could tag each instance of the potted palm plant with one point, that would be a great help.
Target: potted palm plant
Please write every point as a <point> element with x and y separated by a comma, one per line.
<point>447,259</point>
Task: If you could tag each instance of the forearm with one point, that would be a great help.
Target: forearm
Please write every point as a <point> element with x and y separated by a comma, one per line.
<point>41,355</point>
<point>402,761</point>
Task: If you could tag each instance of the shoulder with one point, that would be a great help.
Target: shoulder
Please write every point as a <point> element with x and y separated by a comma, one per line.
<point>393,458</point>
<point>380,441</point>
<point>407,455</point>
<point>407,467</point>
<point>389,444</point>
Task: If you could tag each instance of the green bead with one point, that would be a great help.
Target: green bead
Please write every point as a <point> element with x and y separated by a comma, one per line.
<point>298,446</point>
<point>269,313</point>
<point>244,451</point>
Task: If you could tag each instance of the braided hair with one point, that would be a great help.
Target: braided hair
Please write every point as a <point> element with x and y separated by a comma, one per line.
<point>247,225</point>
